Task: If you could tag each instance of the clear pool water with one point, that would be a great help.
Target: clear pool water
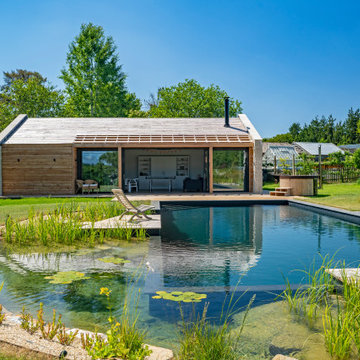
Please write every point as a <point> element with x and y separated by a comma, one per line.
<point>212,250</point>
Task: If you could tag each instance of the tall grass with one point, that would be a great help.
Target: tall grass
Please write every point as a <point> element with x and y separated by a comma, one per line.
<point>201,339</point>
<point>64,225</point>
<point>337,306</point>
<point>308,299</point>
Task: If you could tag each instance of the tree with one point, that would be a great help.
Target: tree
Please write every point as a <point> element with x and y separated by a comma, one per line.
<point>190,99</point>
<point>20,74</point>
<point>295,130</point>
<point>280,138</point>
<point>356,158</point>
<point>351,136</point>
<point>94,80</point>
<point>31,95</point>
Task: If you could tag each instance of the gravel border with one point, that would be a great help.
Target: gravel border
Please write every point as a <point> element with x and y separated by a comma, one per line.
<point>11,333</point>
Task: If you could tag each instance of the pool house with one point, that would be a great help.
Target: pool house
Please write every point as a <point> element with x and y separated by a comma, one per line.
<point>57,156</point>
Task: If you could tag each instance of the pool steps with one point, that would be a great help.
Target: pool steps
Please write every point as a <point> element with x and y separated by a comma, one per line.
<point>281,191</point>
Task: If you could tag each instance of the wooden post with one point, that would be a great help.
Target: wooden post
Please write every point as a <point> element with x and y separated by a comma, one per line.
<point>320,169</point>
<point>120,167</point>
<point>293,164</point>
<point>211,170</point>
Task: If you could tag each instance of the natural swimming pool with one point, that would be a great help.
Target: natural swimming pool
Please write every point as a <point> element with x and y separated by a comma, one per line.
<point>211,250</point>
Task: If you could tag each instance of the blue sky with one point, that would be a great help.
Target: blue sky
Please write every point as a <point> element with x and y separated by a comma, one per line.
<point>286,60</point>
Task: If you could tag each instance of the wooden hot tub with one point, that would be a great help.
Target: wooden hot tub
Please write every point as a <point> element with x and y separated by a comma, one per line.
<point>301,185</point>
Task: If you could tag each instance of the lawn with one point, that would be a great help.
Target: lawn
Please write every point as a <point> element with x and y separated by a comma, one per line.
<point>269,186</point>
<point>344,196</point>
<point>19,208</point>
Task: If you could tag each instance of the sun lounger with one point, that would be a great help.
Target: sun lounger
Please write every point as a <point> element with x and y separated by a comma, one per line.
<point>138,211</point>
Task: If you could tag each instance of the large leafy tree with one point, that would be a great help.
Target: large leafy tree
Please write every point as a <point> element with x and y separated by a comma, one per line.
<point>20,74</point>
<point>27,92</point>
<point>190,99</point>
<point>94,80</point>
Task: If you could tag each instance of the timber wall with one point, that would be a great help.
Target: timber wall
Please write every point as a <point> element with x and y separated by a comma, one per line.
<point>37,169</point>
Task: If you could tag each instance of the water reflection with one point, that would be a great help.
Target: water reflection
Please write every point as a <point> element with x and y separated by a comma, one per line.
<point>208,247</point>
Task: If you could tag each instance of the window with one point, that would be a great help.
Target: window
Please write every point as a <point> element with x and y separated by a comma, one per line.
<point>99,165</point>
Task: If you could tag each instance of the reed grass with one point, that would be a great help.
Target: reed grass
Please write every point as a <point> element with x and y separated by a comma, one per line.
<point>308,299</point>
<point>201,339</point>
<point>337,306</point>
<point>63,225</point>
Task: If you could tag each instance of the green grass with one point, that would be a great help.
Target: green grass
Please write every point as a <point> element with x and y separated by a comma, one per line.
<point>19,209</point>
<point>270,186</point>
<point>345,196</point>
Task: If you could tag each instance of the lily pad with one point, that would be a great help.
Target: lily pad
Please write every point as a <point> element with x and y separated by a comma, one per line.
<point>114,260</point>
<point>186,297</point>
<point>66,277</point>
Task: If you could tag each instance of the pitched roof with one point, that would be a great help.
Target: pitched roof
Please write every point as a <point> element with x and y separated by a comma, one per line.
<point>265,145</point>
<point>66,130</point>
<point>350,147</point>
<point>312,148</point>
<point>281,152</point>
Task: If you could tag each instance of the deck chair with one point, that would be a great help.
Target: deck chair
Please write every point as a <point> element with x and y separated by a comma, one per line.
<point>138,211</point>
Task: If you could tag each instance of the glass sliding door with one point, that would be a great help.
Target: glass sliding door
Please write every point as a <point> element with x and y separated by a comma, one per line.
<point>230,169</point>
<point>99,165</point>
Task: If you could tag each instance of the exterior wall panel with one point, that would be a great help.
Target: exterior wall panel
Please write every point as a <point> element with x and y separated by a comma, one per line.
<point>37,169</point>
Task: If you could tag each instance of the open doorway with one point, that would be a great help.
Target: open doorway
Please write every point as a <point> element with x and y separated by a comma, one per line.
<point>230,169</point>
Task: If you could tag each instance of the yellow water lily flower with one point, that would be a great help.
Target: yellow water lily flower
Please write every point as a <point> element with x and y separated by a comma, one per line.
<point>105,291</point>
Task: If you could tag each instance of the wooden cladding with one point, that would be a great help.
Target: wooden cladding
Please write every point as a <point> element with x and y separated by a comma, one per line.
<point>37,169</point>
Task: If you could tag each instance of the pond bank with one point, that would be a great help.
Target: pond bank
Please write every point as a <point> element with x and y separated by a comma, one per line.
<point>11,333</point>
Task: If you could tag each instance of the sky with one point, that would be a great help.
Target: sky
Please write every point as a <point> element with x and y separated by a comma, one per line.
<point>286,60</point>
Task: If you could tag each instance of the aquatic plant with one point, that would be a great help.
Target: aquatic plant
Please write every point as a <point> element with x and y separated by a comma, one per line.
<point>339,310</point>
<point>2,316</point>
<point>66,337</point>
<point>338,332</point>
<point>140,233</point>
<point>200,339</point>
<point>49,330</point>
<point>308,299</point>
<point>64,225</point>
<point>66,277</point>
<point>27,322</point>
<point>179,296</point>
<point>114,260</point>
<point>123,339</point>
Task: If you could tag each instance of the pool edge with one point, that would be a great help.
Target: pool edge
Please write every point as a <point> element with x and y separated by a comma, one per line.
<point>341,214</point>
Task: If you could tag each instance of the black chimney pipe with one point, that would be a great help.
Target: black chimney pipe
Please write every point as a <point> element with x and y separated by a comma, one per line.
<point>227,123</point>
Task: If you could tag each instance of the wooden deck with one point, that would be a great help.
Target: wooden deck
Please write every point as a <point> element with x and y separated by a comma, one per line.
<point>348,273</point>
<point>151,226</point>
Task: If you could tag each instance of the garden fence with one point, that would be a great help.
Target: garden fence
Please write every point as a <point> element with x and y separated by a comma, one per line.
<point>329,174</point>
